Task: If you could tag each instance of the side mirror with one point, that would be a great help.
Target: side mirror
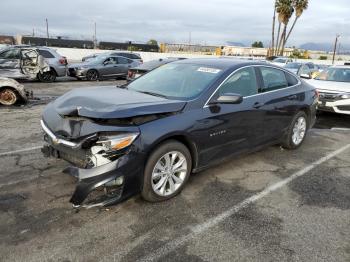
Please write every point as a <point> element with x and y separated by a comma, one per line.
<point>228,98</point>
<point>305,76</point>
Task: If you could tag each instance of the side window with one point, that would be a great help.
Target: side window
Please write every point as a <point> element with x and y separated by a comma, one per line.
<point>123,60</point>
<point>242,82</point>
<point>46,54</point>
<point>11,54</point>
<point>273,79</point>
<point>111,60</point>
<point>292,81</point>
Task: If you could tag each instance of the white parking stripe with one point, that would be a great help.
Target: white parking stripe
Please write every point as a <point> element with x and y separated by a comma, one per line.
<point>195,231</point>
<point>20,150</point>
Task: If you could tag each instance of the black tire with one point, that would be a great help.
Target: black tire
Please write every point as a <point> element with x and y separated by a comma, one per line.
<point>92,75</point>
<point>288,142</point>
<point>148,192</point>
<point>47,77</point>
<point>8,97</point>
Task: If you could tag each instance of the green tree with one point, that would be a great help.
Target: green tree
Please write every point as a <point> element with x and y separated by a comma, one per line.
<point>258,44</point>
<point>152,42</point>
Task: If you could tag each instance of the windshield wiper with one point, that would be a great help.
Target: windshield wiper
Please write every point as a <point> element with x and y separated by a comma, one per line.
<point>152,94</point>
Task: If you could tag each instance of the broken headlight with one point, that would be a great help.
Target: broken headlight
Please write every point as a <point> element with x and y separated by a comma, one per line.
<point>117,142</point>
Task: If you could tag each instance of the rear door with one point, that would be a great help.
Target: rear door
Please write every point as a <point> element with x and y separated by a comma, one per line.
<point>124,65</point>
<point>280,95</point>
<point>109,67</point>
<point>10,63</point>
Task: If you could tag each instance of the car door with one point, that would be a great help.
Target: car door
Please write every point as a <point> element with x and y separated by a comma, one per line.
<point>109,67</point>
<point>10,63</point>
<point>280,94</point>
<point>226,129</point>
<point>124,65</point>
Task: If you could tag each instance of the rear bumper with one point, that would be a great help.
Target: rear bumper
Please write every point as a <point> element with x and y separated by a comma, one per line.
<point>60,70</point>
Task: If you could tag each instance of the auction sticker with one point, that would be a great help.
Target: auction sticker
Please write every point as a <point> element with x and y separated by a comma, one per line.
<point>208,70</point>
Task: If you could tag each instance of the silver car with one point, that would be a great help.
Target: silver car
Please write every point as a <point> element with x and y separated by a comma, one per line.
<point>102,67</point>
<point>130,55</point>
<point>11,63</point>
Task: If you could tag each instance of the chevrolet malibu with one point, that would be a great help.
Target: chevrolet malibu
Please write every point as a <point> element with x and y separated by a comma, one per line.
<point>148,136</point>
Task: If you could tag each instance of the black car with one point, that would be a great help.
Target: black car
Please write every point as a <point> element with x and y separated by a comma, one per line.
<point>144,68</point>
<point>178,119</point>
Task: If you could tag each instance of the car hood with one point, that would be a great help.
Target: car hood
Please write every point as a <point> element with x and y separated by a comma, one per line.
<point>112,103</point>
<point>331,86</point>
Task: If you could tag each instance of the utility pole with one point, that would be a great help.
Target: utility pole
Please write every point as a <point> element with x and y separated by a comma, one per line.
<point>47,29</point>
<point>335,48</point>
<point>33,32</point>
<point>95,38</point>
<point>189,41</point>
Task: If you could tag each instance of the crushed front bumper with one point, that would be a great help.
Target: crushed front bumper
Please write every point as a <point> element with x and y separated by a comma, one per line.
<point>102,185</point>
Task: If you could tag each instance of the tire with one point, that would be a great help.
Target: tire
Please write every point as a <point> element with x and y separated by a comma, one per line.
<point>296,132</point>
<point>162,179</point>
<point>8,97</point>
<point>47,77</point>
<point>92,75</point>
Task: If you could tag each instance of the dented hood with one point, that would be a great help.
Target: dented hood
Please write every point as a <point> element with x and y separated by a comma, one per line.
<point>112,102</point>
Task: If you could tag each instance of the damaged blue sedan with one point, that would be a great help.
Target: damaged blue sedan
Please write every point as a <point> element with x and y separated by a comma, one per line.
<point>148,136</point>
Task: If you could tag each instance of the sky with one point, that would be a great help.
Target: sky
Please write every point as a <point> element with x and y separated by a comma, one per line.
<point>208,22</point>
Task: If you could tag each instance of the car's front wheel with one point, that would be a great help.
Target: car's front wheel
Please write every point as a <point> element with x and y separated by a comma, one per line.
<point>167,171</point>
<point>47,77</point>
<point>92,75</point>
<point>8,97</point>
<point>296,131</point>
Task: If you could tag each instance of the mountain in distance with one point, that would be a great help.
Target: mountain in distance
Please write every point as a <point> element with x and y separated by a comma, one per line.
<point>327,47</point>
<point>230,43</point>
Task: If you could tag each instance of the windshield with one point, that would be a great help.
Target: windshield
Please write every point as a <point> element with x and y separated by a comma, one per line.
<point>293,65</point>
<point>335,74</point>
<point>177,81</point>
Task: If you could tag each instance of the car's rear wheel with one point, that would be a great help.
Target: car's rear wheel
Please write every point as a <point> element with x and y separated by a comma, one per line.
<point>8,97</point>
<point>167,171</point>
<point>47,77</point>
<point>92,75</point>
<point>296,131</point>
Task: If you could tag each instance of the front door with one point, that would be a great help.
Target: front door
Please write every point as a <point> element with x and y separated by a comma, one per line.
<point>225,129</point>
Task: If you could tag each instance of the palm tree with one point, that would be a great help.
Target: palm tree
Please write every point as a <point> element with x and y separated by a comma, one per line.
<point>285,10</point>
<point>299,6</point>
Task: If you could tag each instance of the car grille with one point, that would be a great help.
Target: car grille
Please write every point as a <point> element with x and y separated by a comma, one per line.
<point>328,97</point>
<point>344,108</point>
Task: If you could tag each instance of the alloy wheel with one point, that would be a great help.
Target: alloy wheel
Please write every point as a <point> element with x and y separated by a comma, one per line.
<point>299,130</point>
<point>169,173</point>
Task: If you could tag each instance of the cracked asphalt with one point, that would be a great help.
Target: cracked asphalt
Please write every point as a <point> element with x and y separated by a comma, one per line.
<point>308,219</point>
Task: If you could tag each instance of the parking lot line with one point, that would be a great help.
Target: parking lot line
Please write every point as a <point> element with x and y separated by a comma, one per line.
<point>20,150</point>
<point>196,230</point>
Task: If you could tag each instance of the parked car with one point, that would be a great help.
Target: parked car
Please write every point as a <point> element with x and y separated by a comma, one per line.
<point>22,63</point>
<point>144,68</point>
<point>299,69</point>
<point>12,92</point>
<point>129,55</point>
<point>281,61</point>
<point>58,64</point>
<point>178,119</point>
<point>333,85</point>
<point>12,57</point>
<point>102,67</point>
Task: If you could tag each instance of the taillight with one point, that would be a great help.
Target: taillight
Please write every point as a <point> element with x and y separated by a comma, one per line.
<point>130,74</point>
<point>63,60</point>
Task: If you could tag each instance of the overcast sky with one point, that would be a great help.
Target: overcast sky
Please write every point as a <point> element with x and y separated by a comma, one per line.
<point>210,22</point>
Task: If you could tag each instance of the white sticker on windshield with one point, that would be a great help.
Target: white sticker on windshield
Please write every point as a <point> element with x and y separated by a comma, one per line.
<point>208,70</point>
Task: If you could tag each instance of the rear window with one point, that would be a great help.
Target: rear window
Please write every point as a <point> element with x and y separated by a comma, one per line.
<point>292,81</point>
<point>46,54</point>
<point>273,78</point>
<point>123,60</point>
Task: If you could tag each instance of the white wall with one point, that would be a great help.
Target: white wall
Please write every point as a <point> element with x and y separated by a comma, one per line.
<point>75,55</point>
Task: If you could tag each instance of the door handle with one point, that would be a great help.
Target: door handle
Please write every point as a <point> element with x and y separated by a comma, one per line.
<point>257,105</point>
<point>292,97</point>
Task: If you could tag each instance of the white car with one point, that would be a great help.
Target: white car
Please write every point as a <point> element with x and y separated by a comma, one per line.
<point>281,61</point>
<point>333,85</point>
<point>11,92</point>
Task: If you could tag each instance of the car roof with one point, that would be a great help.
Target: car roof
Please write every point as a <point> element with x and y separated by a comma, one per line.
<point>221,63</point>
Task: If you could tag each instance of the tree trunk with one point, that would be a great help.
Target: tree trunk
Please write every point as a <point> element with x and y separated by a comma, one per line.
<point>278,36</point>
<point>283,39</point>
<point>291,29</point>
<point>273,30</point>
